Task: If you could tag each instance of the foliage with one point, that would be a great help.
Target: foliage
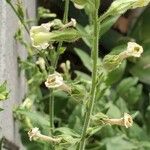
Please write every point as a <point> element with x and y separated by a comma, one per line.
<point>3,93</point>
<point>84,100</point>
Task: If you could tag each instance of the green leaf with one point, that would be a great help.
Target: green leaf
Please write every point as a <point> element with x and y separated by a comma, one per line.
<point>85,58</point>
<point>37,119</point>
<point>67,131</point>
<point>83,75</point>
<point>140,31</point>
<point>20,10</point>
<point>119,143</point>
<point>126,84</point>
<point>113,111</point>
<point>1,109</point>
<point>84,31</point>
<point>129,90</point>
<point>142,68</point>
<point>3,92</point>
<point>66,35</point>
<point>107,24</point>
<point>115,75</point>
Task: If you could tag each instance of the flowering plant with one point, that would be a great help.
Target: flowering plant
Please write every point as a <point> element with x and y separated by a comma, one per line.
<point>62,111</point>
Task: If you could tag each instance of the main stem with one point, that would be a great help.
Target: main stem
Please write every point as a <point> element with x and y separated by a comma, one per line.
<point>94,78</point>
<point>51,101</point>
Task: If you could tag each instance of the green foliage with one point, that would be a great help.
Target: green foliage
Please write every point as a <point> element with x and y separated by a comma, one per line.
<point>3,91</point>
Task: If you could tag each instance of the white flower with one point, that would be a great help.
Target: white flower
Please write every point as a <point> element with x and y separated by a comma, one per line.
<point>128,122</point>
<point>41,63</point>
<point>125,121</point>
<point>33,133</point>
<point>40,35</point>
<point>54,80</point>
<point>134,49</point>
<point>73,21</point>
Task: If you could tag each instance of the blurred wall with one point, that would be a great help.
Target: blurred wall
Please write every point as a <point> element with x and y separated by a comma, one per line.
<point>9,51</point>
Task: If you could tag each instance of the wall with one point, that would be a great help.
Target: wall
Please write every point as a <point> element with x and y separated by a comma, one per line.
<point>9,51</point>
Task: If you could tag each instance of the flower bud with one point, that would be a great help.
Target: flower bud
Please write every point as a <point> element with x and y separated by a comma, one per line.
<point>111,62</point>
<point>41,63</point>
<point>72,23</point>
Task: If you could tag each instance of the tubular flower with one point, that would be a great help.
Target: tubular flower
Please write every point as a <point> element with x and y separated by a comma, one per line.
<point>35,134</point>
<point>111,62</point>
<point>56,81</point>
<point>125,121</point>
<point>40,35</point>
<point>134,49</point>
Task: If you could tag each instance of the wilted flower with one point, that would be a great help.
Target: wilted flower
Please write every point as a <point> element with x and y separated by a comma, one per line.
<point>41,63</point>
<point>72,23</point>
<point>55,80</point>
<point>34,134</point>
<point>134,49</point>
<point>125,121</point>
<point>40,35</point>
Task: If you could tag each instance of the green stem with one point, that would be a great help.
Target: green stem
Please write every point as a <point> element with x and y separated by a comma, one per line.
<point>51,111</point>
<point>51,102</point>
<point>94,78</point>
<point>65,20</point>
<point>21,20</point>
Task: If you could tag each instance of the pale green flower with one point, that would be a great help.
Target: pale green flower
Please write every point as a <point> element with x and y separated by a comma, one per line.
<point>40,35</point>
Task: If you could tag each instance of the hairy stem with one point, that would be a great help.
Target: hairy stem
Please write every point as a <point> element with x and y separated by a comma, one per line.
<point>94,77</point>
<point>51,102</point>
<point>65,20</point>
<point>17,14</point>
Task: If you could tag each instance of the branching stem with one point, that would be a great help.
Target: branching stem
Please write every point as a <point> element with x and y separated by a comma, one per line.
<point>51,102</point>
<point>94,77</point>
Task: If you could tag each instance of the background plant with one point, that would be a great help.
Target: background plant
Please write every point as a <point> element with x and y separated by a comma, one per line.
<point>125,89</point>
